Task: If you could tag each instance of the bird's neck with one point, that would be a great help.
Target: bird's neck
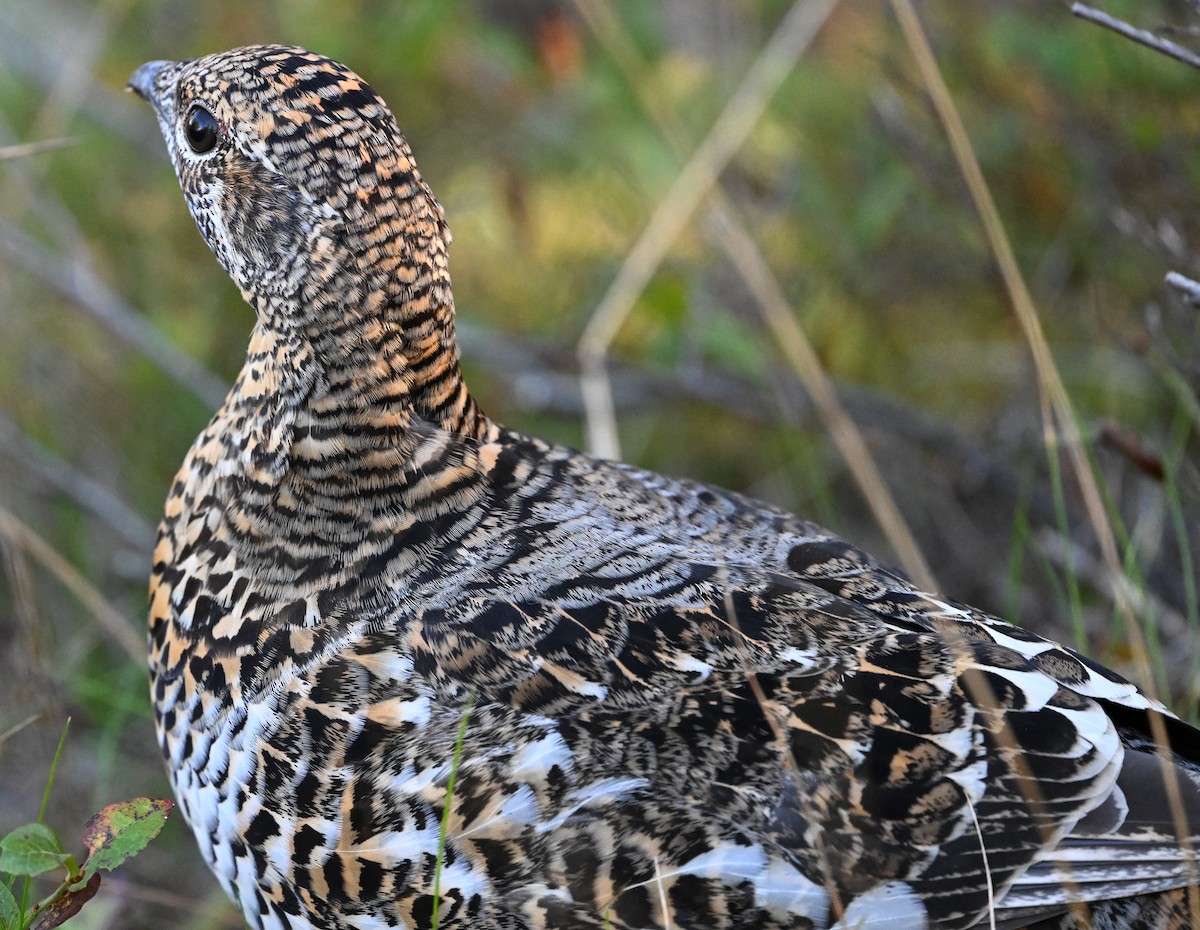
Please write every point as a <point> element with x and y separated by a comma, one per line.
<point>385,309</point>
<point>379,370</point>
<point>396,362</point>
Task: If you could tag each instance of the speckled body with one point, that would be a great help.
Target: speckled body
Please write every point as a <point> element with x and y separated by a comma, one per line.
<point>681,708</point>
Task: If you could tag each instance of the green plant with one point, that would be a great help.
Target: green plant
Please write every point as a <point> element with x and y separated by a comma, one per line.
<point>111,836</point>
<point>448,805</point>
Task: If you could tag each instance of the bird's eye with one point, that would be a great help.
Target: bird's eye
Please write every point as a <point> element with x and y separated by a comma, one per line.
<point>201,129</point>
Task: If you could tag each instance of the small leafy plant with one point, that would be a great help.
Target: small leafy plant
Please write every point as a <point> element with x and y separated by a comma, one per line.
<point>111,836</point>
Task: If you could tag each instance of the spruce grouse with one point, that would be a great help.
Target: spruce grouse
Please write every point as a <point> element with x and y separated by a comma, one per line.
<point>411,668</point>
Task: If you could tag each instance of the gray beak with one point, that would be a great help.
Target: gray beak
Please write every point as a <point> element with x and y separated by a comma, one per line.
<point>142,81</point>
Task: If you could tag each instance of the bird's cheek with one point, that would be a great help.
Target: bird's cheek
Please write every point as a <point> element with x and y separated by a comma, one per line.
<point>205,202</point>
<point>271,230</point>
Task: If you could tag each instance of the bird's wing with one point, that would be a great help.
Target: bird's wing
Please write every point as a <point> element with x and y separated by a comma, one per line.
<point>1143,837</point>
<point>730,528</point>
<point>760,709</point>
<point>812,701</point>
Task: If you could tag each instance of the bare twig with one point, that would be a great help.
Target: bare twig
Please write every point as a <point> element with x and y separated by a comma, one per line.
<point>75,280</point>
<point>731,236</point>
<point>17,728</point>
<point>69,480</point>
<point>113,621</point>
<point>26,149</point>
<point>1140,36</point>
<point>773,64</point>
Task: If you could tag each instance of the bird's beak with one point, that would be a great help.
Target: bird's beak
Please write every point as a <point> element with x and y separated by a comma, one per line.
<point>143,81</point>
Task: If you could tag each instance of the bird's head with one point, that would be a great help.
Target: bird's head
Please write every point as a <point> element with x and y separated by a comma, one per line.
<point>301,182</point>
<point>296,173</point>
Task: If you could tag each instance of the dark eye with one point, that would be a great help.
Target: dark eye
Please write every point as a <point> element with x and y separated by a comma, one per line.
<point>201,128</point>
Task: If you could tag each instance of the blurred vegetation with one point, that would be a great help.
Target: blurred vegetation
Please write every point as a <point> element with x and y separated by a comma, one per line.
<point>118,330</point>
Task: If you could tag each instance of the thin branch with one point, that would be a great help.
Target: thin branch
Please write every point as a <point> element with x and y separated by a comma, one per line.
<point>17,728</point>
<point>774,63</point>
<point>76,281</point>
<point>731,236</point>
<point>1140,36</point>
<point>69,480</point>
<point>113,621</point>
<point>26,149</point>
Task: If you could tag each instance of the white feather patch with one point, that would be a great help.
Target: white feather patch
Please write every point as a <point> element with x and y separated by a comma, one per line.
<point>781,887</point>
<point>608,789</point>
<point>533,761</point>
<point>892,906</point>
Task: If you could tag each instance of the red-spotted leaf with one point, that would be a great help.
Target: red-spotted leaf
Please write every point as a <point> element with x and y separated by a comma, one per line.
<point>122,830</point>
<point>31,850</point>
<point>64,908</point>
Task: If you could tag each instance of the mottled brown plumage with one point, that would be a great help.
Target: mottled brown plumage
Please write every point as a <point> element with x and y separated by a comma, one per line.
<point>683,708</point>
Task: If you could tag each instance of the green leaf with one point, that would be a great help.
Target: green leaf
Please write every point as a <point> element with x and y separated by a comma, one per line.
<point>122,830</point>
<point>31,850</point>
<point>62,741</point>
<point>10,911</point>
